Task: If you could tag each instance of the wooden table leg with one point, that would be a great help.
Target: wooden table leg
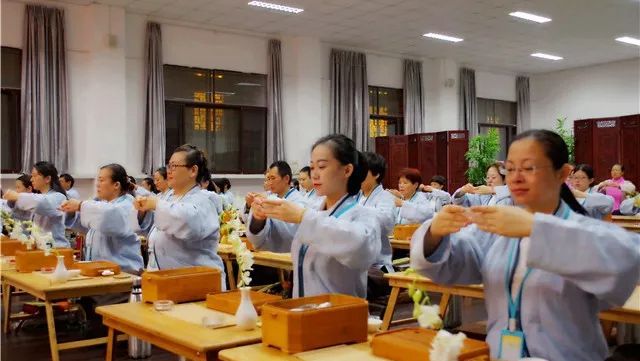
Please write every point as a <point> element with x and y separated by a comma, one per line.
<point>391,305</point>
<point>230,274</point>
<point>444,304</point>
<point>6,305</point>
<point>53,340</point>
<point>111,340</point>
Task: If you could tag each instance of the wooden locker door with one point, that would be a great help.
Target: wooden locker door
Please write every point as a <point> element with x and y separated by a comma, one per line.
<point>399,157</point>
<point>606,146</point>
<point>415,156</point>
<point>442,155</point>
<point>458,147</point>
<point>382,148</point>
<point>630,147</point>
<point>428,164</point>
<point>583,136</point>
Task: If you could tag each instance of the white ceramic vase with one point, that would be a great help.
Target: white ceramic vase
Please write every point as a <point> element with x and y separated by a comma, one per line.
<point>60,274</point>
<point>246,315</point>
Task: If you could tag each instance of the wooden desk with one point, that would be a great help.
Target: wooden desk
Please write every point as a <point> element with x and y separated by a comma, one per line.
<point>225,251</point>
<point>180,337</point>
<point>400,244</point>
<point>41,288</point>
<point>259,352</point>
<point>630,223</point>
<point>629,313</point>
<point>399,281</point>
<point>281,261</point>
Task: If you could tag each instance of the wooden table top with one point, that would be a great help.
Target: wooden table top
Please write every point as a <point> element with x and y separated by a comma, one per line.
<point>272,259</point>
<point>630,312</point>
<point>260,352</point>
<point>400,243</point>
<point>7,263</point>
<point>40,286</point>
<point>143,321</point>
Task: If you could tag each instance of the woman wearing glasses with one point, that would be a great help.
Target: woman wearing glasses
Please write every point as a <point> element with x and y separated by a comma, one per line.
<point>547,270</point>
<point>185,230</point>
<point>596,204</point>
<point>493,192</point>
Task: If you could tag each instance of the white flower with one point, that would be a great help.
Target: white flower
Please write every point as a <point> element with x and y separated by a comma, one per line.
<point>446,346</point>
<point>429,317</point>
<point>244,257</point>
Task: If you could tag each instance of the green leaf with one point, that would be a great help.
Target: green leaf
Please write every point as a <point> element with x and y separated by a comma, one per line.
<point>483,149</point>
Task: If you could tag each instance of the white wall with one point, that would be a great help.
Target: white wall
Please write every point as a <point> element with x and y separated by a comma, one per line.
<point>591,92</point>
<point>496,86</point>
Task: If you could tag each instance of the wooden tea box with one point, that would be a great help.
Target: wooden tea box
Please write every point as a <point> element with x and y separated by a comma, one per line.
<point>8,247</point>
<point>414,344</point>
<point>293,331</point>
<point>29,261</point>
<point>95,268</point>
<point>404,231</point>
<point>180,284</point>
<point>229,301</point>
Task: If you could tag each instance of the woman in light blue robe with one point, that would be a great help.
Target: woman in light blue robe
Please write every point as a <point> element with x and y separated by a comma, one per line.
<point>569,267</point>
<point>45,206</point>
<point>23,185</point>
<point>596,204</point>
<point>373,195</point>
<point>412,206</point>
<point>630,206</point>
<point>109,223</point>
<point>186,227</point>
<point>336,243</point>
<point>493,192</point>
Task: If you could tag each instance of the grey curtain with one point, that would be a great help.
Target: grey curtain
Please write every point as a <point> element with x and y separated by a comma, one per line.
<point>523,103</point>
<point>275,139</point>
<point>155,131</point>
<point>468,102</point>
<point>350,97</point>
<point>44,108</point>
<point>413,100</point>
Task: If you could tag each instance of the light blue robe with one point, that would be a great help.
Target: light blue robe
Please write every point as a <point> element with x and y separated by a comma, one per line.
<point>46,214</point>
<point>73,194</point>
<point>17,214</point>
<point>185,233</point>
<point>502,196</point>
<point>415,210</point>
<point>383,204</point>
<point>580,266</point>
<point>340,250</point>
<point>438,198</point>
<point>276,232</point>
<point>146,223</point>
<point>628,208</point>
<point>596,204</point>
<point>216,199</point>
<point>229,199</point>
<point>110,228</point>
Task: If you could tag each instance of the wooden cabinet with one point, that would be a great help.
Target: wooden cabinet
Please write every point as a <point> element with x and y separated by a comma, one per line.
<point>451,148</point>
<point>422,154</point>
<point>394,149</point>
<point>603,142</point>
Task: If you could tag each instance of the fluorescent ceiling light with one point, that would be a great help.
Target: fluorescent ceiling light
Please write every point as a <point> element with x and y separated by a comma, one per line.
<point>249,84</point>
<point>271,6</point>
<point>629,40</point>
<point>443,37</point>
<point>547,56</point>
<point>531,17</point>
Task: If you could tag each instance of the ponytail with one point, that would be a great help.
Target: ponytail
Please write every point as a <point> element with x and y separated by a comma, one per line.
<point>119,175</point>
<point>567,196</point>
<point>47,169</point>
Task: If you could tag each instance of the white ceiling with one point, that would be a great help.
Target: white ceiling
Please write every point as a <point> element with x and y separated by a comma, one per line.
<point>582,31</point>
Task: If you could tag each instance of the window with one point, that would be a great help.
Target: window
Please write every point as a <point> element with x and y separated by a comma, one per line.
<point>386,112</point>
<point>224,113</point>
<point>10,108</point>
<point>499,115</point>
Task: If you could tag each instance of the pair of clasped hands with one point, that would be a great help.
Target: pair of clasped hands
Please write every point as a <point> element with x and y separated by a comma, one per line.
<point>141,204</point>
<point>264,207</point>
<point>508,221</point>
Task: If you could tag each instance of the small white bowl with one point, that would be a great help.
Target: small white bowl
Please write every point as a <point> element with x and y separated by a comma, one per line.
<point>163,305</point>
<point>373,324</point>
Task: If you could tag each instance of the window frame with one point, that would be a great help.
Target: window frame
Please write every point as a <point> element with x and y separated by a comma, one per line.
<point>209,104</point>
<point>397,119</point>
<point>15,141</point>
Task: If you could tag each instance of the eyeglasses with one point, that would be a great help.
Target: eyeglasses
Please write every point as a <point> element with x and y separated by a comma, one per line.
<point>525,171</point>
<point>172,167</point>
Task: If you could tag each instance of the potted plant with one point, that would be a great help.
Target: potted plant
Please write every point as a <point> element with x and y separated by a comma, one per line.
<point>567,135</point>
<point>483,149</point>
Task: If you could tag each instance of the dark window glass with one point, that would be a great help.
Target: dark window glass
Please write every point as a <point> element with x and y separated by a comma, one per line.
<point>10,135</point>
<point>386,112</point>
<point>235,88</point>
